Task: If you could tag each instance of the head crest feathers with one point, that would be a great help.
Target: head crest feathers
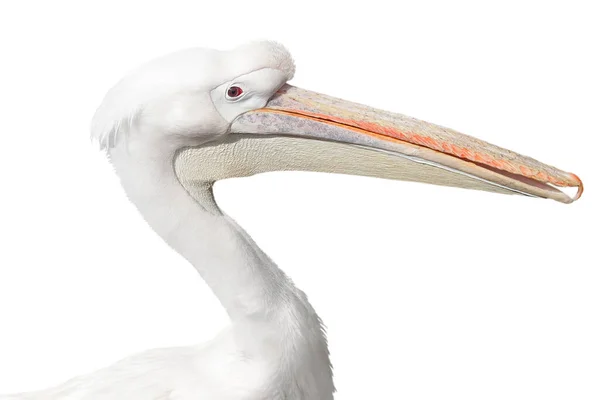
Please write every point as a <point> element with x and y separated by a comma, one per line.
<point>195,69</point>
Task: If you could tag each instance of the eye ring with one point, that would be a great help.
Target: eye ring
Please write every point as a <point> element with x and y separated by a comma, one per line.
<point>234,92</point>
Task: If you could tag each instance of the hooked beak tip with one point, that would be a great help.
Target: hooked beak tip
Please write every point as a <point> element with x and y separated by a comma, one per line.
<point>579,186</point>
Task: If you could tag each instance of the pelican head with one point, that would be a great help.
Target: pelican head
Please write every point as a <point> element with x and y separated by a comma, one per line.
<point>233,114</point>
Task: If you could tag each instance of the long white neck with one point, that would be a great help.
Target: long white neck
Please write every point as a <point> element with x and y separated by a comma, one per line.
<point>257,295</point>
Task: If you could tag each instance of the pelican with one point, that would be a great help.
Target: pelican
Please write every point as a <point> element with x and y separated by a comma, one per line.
<point>177,124</point>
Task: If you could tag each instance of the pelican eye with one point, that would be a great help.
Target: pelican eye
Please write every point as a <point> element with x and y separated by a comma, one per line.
<point>234,92</point>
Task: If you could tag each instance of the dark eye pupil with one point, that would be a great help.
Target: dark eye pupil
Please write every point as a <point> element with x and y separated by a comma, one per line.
<point>234,91</point>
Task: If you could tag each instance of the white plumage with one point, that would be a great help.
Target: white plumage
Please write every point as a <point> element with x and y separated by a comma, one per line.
<point>275,347</point>
<point>177,124</point>
<point>185,71</point>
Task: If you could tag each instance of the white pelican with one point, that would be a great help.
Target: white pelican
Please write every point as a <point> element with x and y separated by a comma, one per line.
<point>176,125</point>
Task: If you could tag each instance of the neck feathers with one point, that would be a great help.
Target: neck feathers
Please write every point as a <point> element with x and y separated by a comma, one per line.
<point>271,317</point>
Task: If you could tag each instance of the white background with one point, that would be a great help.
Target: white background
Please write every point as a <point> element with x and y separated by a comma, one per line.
<point>428,292</point>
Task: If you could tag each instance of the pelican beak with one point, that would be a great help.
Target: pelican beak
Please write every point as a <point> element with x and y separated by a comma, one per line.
<point>395,146</point>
